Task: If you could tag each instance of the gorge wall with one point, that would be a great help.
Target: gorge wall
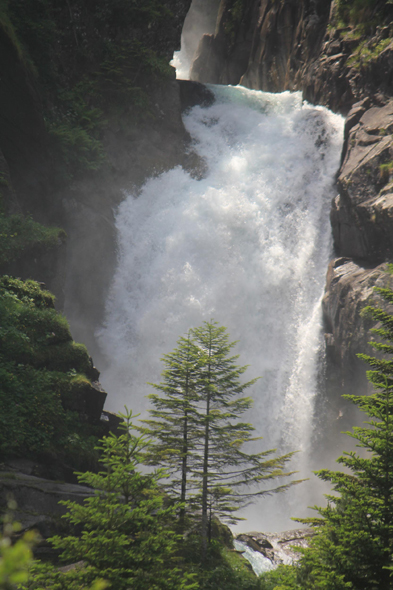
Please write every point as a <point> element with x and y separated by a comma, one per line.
<point>310,45</point>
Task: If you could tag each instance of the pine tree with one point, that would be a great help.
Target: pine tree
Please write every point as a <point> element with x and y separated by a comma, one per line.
<point>201,403</point>
<point>354,546</point>
<point>174,417</point>
<point>127,527</point>
<point>228,472</point>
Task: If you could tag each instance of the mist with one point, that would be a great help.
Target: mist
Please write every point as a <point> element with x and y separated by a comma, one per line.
<point>247,245</point>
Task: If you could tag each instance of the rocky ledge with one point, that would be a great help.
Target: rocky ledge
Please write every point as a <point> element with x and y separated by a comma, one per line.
<point>277,547</point>
<point>38,500</point>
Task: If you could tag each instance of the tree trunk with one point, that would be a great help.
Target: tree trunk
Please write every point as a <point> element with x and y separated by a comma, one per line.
<point>206,461</point>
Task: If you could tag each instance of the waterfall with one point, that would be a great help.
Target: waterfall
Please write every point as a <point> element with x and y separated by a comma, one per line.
<point>248,246</point>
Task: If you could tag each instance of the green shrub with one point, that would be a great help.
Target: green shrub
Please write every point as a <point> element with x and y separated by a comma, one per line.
<point>223,568</point>
<point>386,171</point>
<point>282,578</point>
<point>367,52</point>
<point>18,234</point>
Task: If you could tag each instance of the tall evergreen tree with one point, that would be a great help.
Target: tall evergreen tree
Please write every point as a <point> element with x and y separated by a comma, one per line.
<point>174,417</point>
<point>353,548</point>
<point>199,435</point>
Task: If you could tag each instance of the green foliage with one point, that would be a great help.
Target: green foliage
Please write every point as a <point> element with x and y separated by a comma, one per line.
<point>78,148</point>
<point>282,578</point>
<point>39,363</point>
<point>367,52</point>
<point>15,558</point>
<point>198,433</point>
<point>353,547</point>
<point>126,528</point>
<point>18,234</point>
<point>366,13</point>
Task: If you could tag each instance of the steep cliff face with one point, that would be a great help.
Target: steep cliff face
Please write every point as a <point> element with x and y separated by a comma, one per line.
<point>296,45</point>
<point>263,45</point>
<point>343,60</point>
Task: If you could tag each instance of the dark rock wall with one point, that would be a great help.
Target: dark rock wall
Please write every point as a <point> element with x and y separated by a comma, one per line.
<point>22,129</point>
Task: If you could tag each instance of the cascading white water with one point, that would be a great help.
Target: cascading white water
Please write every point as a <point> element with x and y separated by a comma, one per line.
<point>248,245</point>
<point>260,564</point>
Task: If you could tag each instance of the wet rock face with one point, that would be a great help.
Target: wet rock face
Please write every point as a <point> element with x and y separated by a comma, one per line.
<point>350,288</point>
<point>194,93</point>
<point>362,214</point>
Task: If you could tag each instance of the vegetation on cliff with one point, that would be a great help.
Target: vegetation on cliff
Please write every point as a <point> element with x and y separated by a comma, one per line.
<point>367,14</point>
<point>358,22</point>
<point>42,373</point>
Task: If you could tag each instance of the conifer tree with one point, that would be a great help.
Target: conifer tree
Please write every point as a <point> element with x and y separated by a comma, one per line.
<point>174,418</point>
<point>127,527</point>
<point>199,435</point>
<point>353,548</point>
<point>230,477</point>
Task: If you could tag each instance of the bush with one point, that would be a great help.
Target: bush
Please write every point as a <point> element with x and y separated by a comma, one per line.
<point>40,366</point>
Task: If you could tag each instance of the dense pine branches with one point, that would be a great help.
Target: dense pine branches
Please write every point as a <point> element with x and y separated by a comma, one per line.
<point>198,434</point>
